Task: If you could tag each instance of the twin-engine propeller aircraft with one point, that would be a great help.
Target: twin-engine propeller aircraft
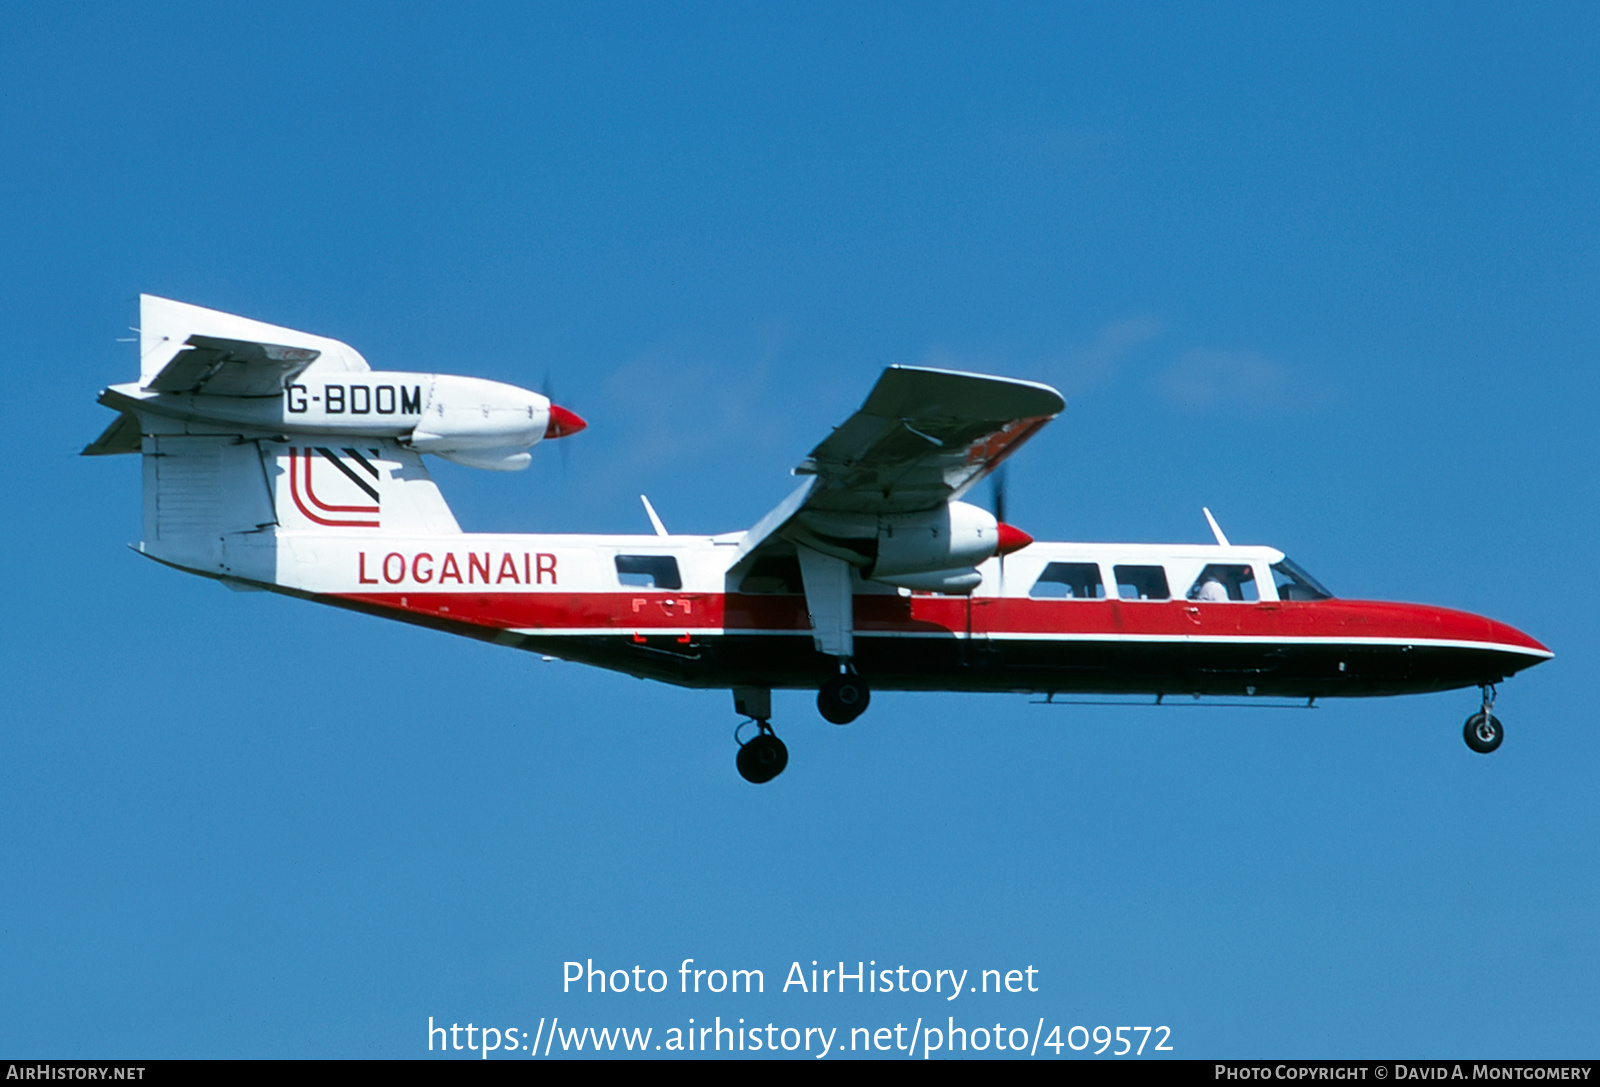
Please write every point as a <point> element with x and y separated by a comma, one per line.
<point>278,460</point>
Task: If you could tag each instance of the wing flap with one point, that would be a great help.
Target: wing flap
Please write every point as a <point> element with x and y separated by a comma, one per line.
<point>213,366</point>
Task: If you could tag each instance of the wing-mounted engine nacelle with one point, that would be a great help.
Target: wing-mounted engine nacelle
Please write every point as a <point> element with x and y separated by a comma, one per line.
<point>953,582</point>
<point>956,536</point>
<point>931,551</point>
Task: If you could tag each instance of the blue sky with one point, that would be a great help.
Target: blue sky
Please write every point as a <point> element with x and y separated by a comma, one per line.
<point>1330,273</point>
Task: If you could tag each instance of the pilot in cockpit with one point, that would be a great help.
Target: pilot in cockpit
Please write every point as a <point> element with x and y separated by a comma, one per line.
<point>1220,582</point>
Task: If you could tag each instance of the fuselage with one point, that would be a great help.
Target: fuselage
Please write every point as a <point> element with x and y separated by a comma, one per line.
<point>1055,618</point>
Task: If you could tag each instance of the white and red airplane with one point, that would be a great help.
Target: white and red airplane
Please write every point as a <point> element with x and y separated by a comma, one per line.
<point>279,460</point>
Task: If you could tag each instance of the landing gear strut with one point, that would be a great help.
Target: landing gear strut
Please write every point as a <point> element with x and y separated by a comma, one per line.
<point>1483,732</point>
<point>843,698</point>
<point>762,757</point>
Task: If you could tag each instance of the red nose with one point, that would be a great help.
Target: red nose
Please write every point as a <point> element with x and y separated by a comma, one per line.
<point>1012,539</point>
<point>563,422</point>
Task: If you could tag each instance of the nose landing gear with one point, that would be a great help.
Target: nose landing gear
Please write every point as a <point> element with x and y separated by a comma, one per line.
<point>1483,731</point>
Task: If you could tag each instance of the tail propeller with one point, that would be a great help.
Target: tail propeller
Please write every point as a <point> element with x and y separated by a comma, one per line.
<point>563,421</point>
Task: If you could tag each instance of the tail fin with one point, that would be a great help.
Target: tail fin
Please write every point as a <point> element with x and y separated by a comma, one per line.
<point>221,504</point>
<point>220,497</point>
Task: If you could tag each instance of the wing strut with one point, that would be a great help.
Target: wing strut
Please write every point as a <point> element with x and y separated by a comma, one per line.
<point>830,601</point>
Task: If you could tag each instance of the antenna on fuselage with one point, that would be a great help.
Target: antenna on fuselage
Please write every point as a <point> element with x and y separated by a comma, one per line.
<point>1216,529</point>
<point>661,529</point>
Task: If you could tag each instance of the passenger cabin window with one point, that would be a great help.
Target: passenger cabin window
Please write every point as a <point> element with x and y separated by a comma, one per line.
<point>1142,583</point>
<point>1295,584</point>
<point>1221,581</point>
<point>1069,581</point>
<point>649,571</point>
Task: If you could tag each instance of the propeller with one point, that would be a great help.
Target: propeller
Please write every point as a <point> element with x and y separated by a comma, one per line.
<point>559,425</point>
<point>997,495</point>
<point>1011,538</point>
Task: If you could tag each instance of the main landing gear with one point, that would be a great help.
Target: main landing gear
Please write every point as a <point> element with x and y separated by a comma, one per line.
<point>1483,732</point>
<point>844,697</point>
<point>763,756</point>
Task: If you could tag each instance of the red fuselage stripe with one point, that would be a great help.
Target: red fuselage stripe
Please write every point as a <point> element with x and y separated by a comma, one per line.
<point>1359,621</point>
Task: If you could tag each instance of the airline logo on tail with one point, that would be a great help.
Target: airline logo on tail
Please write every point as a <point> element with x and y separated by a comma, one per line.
<point>344,495</point>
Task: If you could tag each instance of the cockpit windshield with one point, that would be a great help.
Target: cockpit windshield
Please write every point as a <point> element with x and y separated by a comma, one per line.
<point>1295,584</point>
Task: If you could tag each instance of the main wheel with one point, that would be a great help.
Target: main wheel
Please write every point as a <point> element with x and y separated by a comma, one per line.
<point>762,759</point>
<point>843,698</point>
<point>1483,732</point>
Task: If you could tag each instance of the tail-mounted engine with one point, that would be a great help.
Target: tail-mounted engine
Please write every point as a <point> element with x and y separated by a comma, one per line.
<point>204,367</point>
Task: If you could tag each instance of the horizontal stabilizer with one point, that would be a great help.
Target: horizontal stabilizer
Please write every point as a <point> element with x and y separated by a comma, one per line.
<point>221,354</point>
<point>122,436</point>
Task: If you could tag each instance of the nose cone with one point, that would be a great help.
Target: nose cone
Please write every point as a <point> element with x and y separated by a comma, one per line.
<point>1478,638</point>
<point>1511,637</point>
<point>563,422</point>
<point>1510,650</point>
<point>1012,539</point>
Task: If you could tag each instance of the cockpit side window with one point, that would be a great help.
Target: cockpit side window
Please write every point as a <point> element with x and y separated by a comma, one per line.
<point>1142,583</point>
<point>1225,581</point>
<point>1295,584</point>
<point>1070,581</point>
<point>649,571</point>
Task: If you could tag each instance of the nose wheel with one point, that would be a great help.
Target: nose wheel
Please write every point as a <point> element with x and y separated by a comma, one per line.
<point>763,756</point>
<point>1483,731</point>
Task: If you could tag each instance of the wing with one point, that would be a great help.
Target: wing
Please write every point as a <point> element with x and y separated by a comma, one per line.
<point>215,366</point>
<point>922,439</point>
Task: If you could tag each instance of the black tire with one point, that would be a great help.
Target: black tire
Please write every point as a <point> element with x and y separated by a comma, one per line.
<point>843,698</point>
<point>762,759</point>
<point>1483,732</point>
